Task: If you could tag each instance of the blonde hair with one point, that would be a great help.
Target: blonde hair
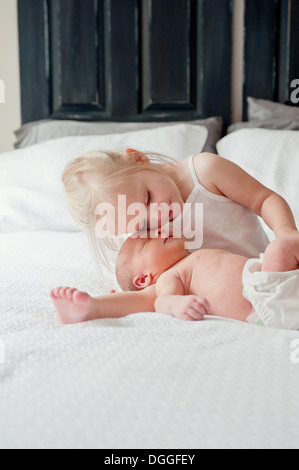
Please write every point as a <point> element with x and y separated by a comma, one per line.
<point>97,177</point>
<point>124,272</point>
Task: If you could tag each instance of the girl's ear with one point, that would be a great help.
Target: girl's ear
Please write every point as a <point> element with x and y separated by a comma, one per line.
<point>136,155</point>
<point>141,281</point>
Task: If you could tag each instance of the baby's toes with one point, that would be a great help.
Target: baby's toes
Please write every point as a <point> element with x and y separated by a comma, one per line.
<point>69,293</point>
<point>62,291</point>
<point>55,292</point>
<point>52,294</point>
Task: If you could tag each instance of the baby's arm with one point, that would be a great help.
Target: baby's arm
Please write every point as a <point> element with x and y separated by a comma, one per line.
<point>171,299</point>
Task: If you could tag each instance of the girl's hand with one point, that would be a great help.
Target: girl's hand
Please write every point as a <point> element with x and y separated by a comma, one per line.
<point>291,239</point>
<point>282,254</point>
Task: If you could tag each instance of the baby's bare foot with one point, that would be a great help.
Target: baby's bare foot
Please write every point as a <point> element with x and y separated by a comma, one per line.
<point>72,306</point>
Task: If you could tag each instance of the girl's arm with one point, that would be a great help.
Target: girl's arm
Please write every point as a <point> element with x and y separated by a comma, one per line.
<point>278,216</point>
<point>223,177</point>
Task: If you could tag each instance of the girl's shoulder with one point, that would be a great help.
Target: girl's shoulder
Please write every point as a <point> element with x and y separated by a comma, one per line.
<point>206,166</point>
<point>206,160</point>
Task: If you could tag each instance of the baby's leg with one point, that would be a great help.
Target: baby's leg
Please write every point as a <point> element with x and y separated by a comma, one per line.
<point>72,306</point>
<point>277,257</point>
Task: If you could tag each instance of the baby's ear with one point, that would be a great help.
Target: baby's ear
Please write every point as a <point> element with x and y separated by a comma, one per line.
<point>136,155</point>
<point>141,281</point>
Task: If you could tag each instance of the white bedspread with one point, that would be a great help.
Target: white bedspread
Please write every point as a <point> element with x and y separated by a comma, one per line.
<point>144,381</point>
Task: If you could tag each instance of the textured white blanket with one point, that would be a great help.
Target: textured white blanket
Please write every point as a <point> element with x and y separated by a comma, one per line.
<point>144,381</point>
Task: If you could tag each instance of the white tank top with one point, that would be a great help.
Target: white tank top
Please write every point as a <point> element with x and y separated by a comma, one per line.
<point>227,224</point>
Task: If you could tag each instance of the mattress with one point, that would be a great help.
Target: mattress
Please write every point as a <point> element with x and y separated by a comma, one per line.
<point>144,381</point>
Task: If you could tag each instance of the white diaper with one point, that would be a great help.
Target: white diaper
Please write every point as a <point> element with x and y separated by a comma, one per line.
<point>274,296</point>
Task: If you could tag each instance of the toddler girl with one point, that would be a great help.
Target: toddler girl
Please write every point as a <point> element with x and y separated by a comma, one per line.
<point>232,201</point>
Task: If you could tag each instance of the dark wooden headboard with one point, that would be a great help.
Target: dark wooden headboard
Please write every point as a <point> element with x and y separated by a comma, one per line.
<point>151,60</point>
<point>271,56</point>
<point>127,60</point>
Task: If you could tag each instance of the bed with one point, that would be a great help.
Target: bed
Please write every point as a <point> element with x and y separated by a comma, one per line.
<point>146,381</point>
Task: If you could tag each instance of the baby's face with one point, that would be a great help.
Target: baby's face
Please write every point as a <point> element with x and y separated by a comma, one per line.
<point>153,255</point>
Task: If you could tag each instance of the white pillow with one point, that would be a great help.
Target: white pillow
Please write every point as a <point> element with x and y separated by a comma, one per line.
<point>31,191</point>
<point>261,110</point>
<point>270,156</point>
<point>46,129</point>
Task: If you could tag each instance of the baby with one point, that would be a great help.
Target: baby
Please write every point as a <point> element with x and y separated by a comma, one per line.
<point>189,287</point>
<point>213,281</point>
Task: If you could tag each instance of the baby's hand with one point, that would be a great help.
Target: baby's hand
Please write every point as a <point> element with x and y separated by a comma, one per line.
<point>189,307</point>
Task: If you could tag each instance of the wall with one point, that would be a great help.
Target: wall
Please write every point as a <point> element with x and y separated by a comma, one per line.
<point>10,114</point>
<point>237,65</point>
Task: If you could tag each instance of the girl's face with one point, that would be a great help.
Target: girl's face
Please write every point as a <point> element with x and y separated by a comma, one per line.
<point>151,189</point>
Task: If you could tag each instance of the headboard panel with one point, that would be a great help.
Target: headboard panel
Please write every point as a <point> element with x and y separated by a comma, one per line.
<point>271,57</point>
<point>151,60</point>
<point>130,60</point>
